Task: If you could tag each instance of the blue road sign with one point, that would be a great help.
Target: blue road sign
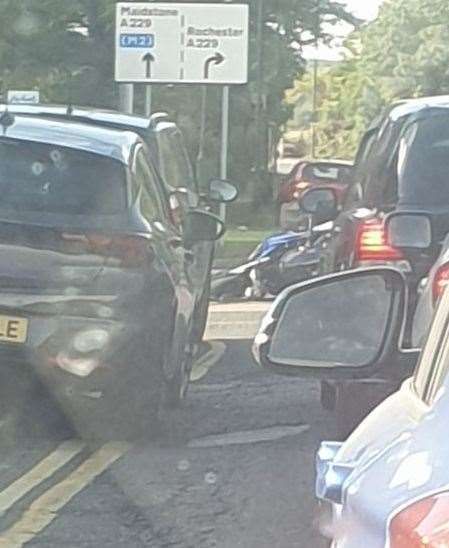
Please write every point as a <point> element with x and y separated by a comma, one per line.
<point>137,40</point>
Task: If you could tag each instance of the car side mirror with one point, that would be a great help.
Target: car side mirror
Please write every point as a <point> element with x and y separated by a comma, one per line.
<point>322,203</point>
<point>409,229</point>
<point>338,326</point>
<point>222,191</point>
<point>202,226</point>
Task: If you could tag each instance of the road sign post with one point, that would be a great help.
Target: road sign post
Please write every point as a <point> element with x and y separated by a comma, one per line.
<point>126,92</point>
<point>224,142</point>
<point>148,100</point>
<point>202,136</point>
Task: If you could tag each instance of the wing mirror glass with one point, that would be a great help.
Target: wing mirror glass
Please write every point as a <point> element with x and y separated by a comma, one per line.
<point>200,226</point>
<point>409,229</point>
<point>222,191</point>
<point>321,203</point>
<point>345,322</point>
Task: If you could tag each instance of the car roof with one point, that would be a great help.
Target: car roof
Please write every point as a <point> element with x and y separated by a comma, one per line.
<point>67,111</point>
<point>101,117</point>
<point>413,106</point>
<point>112,143</point>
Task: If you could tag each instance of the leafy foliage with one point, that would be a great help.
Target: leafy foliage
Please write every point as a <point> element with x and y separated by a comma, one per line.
<point>404,53</point>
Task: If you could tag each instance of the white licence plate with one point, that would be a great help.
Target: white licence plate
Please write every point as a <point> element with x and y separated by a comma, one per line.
<point>13,330</point>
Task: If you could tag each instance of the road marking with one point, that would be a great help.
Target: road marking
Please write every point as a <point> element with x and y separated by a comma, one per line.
<point>63,454</point>
<point>219,387</point>
<point>45,508</point>
<point>232,330</point>
<point>202,366</point>
<point>247,306</point>
<point>248,437</point>
<point>236,321</point>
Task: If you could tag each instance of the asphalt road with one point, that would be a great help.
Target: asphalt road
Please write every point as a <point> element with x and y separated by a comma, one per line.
<point>239,475</point>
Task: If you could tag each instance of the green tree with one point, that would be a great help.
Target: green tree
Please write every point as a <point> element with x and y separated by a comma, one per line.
<point>404,53</point>
<point>64,48</point>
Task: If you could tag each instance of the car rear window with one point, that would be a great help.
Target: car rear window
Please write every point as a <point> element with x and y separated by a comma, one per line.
<point>175,166</point>
<point>41,177</point>
<point>423,163</point>
<point>322,173</point>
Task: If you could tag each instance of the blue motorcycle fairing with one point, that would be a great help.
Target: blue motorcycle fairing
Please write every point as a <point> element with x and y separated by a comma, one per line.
<point>282,240</point>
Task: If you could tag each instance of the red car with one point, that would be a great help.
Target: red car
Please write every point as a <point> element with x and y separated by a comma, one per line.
<point>307,174</point>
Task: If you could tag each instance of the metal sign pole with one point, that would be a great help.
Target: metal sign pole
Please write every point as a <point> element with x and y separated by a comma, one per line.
<point>148,100</point>
<point>127,98</point>
<point>224,142</point>
<point>202,138</point>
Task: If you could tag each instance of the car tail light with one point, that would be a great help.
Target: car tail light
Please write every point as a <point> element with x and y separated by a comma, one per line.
<point>129,250</point>
<point>372,243</point>
<point>424,524</point>
<point>440,281</point>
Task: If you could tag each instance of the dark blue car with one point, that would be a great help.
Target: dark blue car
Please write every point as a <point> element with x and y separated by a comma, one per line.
<point>96,289</point>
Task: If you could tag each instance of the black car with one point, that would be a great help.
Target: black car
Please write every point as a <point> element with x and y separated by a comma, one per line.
<point>402,165</point>
<point>168,153</point>
<point>96,289</point>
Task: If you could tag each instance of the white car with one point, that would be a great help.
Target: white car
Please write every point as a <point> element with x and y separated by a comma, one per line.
<point>388,484</point>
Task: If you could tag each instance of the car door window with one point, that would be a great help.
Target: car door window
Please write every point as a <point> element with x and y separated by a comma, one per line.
<point>176,168</point>
<point>381,185</point>
<point>359,172</point>
<point>152,200</point>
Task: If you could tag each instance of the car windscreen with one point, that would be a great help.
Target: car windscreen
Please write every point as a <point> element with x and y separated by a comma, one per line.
<point>40,177</point>
<point>423,163</point>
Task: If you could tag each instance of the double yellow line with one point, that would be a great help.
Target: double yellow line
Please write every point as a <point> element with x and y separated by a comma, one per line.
<point>43,510</point>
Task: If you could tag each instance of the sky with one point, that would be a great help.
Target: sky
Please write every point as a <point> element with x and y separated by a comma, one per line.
<point>365,9</point>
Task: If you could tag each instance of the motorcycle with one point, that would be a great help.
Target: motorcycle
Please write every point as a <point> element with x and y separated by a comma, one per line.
<point>279,261</point>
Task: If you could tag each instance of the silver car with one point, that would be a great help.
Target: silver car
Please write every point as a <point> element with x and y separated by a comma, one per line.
<point>431,290</point>
<point>388,484</point>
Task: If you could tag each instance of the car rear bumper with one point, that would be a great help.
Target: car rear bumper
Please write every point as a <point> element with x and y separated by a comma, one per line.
<point>78,354</point>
